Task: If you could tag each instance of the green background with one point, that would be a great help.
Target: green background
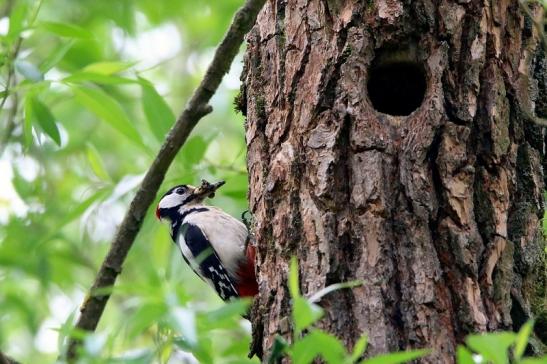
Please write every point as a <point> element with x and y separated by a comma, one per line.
<point>96,86</point>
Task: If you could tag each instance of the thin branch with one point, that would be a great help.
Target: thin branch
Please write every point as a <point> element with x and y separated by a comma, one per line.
<point>10,124</point>
<point>198,106</point>
<point>4,359</point>
<point>11,71</point>
<point>537,120</point>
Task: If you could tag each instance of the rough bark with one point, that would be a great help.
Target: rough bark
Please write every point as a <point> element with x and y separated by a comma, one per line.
<point>439,211</point>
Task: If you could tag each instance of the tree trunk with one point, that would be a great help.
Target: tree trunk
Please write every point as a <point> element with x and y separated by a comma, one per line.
<point>392,141</point>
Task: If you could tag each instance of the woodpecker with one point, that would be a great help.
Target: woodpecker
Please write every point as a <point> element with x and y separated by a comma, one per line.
<point>213,243</point>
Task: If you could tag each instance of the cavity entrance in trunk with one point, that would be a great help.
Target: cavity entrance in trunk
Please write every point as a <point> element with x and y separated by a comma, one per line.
<point>396,85</point>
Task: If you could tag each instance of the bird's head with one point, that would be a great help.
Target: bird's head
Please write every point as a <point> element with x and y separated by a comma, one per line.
<point>185,195</point>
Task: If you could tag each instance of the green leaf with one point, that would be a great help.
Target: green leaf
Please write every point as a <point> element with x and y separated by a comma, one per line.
<point>74,211</point>
<point>16,302</point>
<point>318,343</point>
<point>159,115</point>
<point>397,358</point>
<point>66,30</point>
<point>96,162</point>
<point>29,71</point>
<point>305,313</point>
<point>56,56</point>
<point>21,185</point>
<point>294,287</point>
<point>464,356</point>
<point>108,68</point>
<point>145,316</point>
<point>279,347</point>
<point>203,352</point>
<point>359,348</point>
<point>81,77</point>
<point>231,309</point>
<point>16,20</point>
<point>492,347</point>
<point>522,339</point>
<point>108,109</point>
<point>541,360</point>
<point>45,118</point>
<point>194,150</point>
<point>237,194</point>
<point>236,186</point>
<point>64,331</point>
<point>184,321</point>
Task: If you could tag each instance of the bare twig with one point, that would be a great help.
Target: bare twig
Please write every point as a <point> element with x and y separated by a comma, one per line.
<point>4,359</point>
<point>92,308</point>
<point>537,120</point>
<point>10,124</point>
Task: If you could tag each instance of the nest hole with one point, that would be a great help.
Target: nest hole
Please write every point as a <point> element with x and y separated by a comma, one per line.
<point>396,87</point>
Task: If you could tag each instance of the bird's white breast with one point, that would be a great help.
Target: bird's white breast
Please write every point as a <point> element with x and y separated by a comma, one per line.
<point>226,234</point>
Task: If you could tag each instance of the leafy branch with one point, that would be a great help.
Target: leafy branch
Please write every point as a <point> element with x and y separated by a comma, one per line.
<point>15,30</point>
<point>198,106</point>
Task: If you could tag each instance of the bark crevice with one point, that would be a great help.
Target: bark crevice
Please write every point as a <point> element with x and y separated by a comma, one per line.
<point>437,211</point>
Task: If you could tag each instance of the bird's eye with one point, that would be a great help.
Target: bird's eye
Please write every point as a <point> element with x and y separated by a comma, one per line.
<point>179,191</point>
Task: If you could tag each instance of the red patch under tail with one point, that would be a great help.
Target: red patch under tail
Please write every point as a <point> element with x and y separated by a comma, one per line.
<point>247,286</point>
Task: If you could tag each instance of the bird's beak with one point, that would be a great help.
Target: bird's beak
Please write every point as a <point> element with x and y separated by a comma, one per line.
<point>207,189</point>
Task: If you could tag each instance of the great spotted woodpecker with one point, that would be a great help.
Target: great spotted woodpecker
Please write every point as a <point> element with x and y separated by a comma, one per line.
<point>213,243</point>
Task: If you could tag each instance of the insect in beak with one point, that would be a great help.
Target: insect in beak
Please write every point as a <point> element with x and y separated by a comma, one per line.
<point>207,189</point>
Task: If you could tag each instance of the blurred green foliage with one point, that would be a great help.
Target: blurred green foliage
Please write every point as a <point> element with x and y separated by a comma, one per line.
<point>88,90</point>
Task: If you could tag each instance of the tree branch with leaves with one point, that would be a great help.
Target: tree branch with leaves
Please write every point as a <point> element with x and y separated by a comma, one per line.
<point>198,106</point>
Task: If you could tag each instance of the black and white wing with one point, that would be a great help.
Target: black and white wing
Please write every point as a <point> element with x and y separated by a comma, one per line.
<point>204,260</point>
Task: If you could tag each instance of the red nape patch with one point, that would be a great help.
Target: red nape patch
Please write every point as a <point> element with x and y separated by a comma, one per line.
<point>158,213</point>
<point>247,286</point>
